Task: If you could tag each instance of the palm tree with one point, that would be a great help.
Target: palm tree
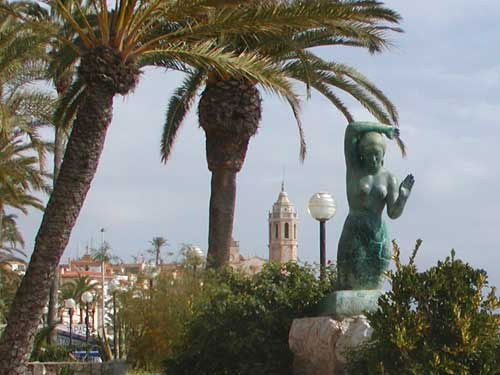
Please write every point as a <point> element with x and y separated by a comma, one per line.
<point>111,47</point>
<point>230,108</point>
<point>157,243</point>
<point>62,77</point>
<point>103,253</point>
<point>23,111</point>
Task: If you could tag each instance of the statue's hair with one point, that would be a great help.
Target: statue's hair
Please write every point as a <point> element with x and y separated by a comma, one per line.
<point>372,139</point>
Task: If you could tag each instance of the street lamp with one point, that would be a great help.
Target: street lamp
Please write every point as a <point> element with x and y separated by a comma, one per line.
<point>45,316</point>
<point>70,305</point>
<point>174,277</point>
<point>151,273</point>
<point>322,208</point>
<point>87,298</point>
<point>114,286</point>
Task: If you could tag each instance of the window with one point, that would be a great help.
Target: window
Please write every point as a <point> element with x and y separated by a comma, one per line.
<point>286,230</point>
<point>294,231</point>
<point>276,231</point>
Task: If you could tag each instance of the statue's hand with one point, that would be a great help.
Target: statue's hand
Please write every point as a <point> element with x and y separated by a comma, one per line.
<point>393,132</point>
<point>406,186</point>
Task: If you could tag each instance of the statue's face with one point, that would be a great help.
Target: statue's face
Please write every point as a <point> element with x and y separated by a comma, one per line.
<point>372,158</point>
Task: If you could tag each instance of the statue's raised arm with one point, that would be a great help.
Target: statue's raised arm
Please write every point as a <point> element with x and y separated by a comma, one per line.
<point>355,131</point>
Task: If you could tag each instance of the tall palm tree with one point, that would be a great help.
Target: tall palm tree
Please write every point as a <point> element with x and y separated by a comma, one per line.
<point>230,108</point>
<point>157,243</point>
<point>23,111</point>
<point>62,76</point>
<point>103,253</point>
<point>111,47</point>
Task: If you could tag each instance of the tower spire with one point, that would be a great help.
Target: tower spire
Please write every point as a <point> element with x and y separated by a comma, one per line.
<point>283,180</point>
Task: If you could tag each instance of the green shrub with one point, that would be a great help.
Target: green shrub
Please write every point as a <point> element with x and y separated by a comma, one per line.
<point>241,324</point>
<point>441,321</point>
<point>52,353</point>
<point>149,321</point>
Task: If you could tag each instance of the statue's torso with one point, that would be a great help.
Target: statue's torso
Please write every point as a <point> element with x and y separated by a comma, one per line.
<point>366,193</point>
<point>363,253</point>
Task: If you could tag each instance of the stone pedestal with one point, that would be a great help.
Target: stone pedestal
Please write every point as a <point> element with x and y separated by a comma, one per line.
<point>319,344</point>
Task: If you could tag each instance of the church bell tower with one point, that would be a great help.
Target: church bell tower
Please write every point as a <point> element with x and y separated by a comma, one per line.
<point>283,220</point>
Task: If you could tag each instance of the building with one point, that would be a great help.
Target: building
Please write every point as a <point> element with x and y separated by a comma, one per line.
<point>283,236</point>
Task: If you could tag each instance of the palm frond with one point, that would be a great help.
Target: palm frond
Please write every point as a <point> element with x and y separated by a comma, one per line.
<point>179,105</point>
<point>330,95</point>
<point>68,105</point>
<point>246,65</point>
<point>296,110</point>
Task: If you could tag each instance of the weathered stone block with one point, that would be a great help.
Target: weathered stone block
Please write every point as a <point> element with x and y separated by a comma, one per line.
<point>319,343</point>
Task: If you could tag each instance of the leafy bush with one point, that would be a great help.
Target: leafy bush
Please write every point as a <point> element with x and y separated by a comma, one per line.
<point>241,324</point>
<point>441,321</point>
<point>149,321</point>
<point>9,282</point>
<point>52,353</point>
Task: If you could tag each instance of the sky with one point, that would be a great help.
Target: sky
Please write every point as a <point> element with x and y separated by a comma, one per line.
<point>442,73</point>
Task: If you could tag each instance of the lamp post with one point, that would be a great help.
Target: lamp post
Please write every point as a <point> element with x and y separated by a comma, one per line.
<point>322,208</point>
<point>151,273</point>
<point>70,305</point>
<point>45,316</point>
<point>87,298</point>
<point>114,285</point>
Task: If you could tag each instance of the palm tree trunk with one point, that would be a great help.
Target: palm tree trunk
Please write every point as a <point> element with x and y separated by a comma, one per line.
<point>52,313</point>
<point>59,141</point>
<point>229,113</point>
<point>222,204</point>
<point>62,84</point>
<point>76,174</point>
<point>2,214</point>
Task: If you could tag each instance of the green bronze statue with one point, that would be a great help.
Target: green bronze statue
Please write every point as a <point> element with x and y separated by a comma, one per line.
<point>364,247</point>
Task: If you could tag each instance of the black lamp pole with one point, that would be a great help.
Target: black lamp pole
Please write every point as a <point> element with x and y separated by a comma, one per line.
<point>322,248</point>
<point>70,327</point>
<point>87,323</point>
<point>115,342</point>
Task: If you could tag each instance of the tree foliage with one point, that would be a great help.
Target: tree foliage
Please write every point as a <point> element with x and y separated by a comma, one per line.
<point>9,282</point>
<point>240,325</point>
<point>150,321</point>
<point>441,321</point>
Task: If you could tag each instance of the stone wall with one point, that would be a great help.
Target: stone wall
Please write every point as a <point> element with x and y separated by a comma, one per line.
<point>76,368</point>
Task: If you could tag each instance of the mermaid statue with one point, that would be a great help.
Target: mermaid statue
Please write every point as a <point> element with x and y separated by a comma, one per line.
<point>364,249</point>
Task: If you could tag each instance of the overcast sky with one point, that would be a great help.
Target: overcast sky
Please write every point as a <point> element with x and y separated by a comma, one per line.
<point>444,77</point>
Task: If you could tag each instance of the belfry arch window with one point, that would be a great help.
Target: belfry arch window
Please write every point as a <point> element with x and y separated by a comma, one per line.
<point>294,231</point>
<point>286,230</point>
<point>276,231</point>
